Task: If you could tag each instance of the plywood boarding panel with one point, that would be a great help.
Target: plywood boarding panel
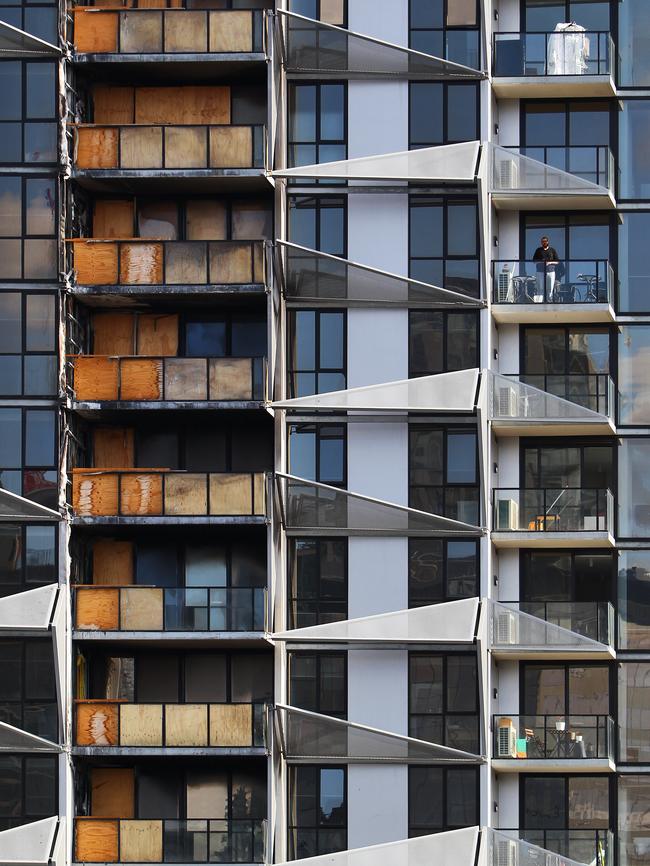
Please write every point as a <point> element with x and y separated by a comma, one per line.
<point>230,263</point>
<point>231,31</point>
<point>141,725</point>
<point>206,220</point>
<point>192,104</point>
<point>186,31</point>
<point>186,724</point>
<point>141,379</point>
<point>186,493</point>
<point>231,147</point>
<point>259,267</point>
<point>95,32</point>
<point>141,841</point>
<point>333,12</point>
<point>112,562</point>
<point>141,147</point>
<point>186,264</point>
<point>112,792</point>
<point>96,724</point>
<point>186,379</point>
<point>231,379</point>
<point>186,147</point>
<point>141,609</point>
<point>231,725</point>
<point>231,494</point>
<point>259,494</point>
<point>113,218</point>
<point>113,447</point>
<point>95,378</point>
<point>112,105</point>
<point>95,841</point>
<point>113,333</point>
<point>95,264</point>
<point>157,334</point>
<point>96,147</point>
<point>141,494</point>
<point>97,608</point>
<point>141,264</point>
<point>141,32</point>
<point>94,494</point>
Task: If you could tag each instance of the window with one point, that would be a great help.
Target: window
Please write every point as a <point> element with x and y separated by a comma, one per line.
<point>440,342</point>
<point>28,128</point>
<point>237,335</point>
<point>317,351</point>
<point>318,452</point>
<point>442,798</point>
<point>633,818</point>
<point>29,453</point>
<point>443,699</point>
<point>317,811</point>
<point>28,687</point>
<point>581,241</point>
<point>634,44</point>
<point>633,155</point>
<point>318,574</point>
<point>28,557</point>
<point>633,266</point>
<point>328,11</point>
<point>38,20</point>
<point>634,712</point>
<point>633,488</point>
<point>586,467</point>
<point>28,245</point>
<point>446,28</point>
<point>443,243</point>
<point>633,600</point>
<point>543,15</point>
<point>319,223</point>
<point>633,375</point>
<point>442,570</point>
<point>195,219</point>
<point>318,683</point>
<point>28,345</point>
<point>443,472</point>
<point>317,124</point>
<point>559,689</point>
<point>28,789</point>
<point>441,113</point>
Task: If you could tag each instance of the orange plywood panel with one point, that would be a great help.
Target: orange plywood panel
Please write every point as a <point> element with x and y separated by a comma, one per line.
<point>141,379</point>
<point>112,792</point>
<point>113,333</point>
<point>113,105</point>
<point>95,841</point>
<point>157,334</point>
<point>95,264</point>
<point>97,608</point>
<point>96,723</point>
<point>112,562</point>
<point>192,104</point>
<point>95,378</point>
<point>95,32</point>
<point>113,218</point>
<point>141,493</point>
<point>113,447</point>
<point>93,494</point>
<point>141,264</point>
<point>96,147</point>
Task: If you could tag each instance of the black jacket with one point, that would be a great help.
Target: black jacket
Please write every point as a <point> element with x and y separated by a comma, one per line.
<point>546,255</point>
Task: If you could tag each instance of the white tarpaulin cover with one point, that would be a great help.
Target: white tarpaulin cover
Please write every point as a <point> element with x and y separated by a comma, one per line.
<point>28,610</point>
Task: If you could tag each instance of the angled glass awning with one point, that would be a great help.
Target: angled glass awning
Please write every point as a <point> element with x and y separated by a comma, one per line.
<point>451,622</point>
<point>448,163</point>
<point>30,610</point>
<point>315,277</point>
<point>18,43</point>
<point>307,737</point>
<point>513,173</point>
<point>16,740</point>
<point>452,848</point>
<point>310,508</point>
<point>30,844</point>
<point>14,507</point>
<point>513,400</point>
<point>444,392</point>
<point>312,47</point>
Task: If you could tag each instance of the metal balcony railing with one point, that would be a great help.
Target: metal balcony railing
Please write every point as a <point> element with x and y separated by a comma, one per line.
<point>188,725</point>
<point>553,737</point>
<point>567,282</point>
<point>594,391</point>
<point>595,847</point>
<point>588,53</point>
<point>170,609</point>
<point>151,379</point>
<point>191,840</point>
<point>592,619</point>
<point>564,509</point>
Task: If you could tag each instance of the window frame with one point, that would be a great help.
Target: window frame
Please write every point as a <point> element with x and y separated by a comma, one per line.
<point>295,200</point>
<point>445,825</point>
<point>22,235</point>
<point>25,352</point>
<point>446,595</point>
<point>318,140</point>
<point>25,469</point>
<point>445,85</point>
<point>453,28</point>
<point>23,585</point>
<point>319,427</point>
<point>445,314</point>
<point>24,119</point>
<point>293,827</point>
<point>23,701</point>
<point>292,368</point>
<point>293,601</point>
<point>566,667</point>
<point>319,678</point>
<point>25,817</point>
<point>565,777</point>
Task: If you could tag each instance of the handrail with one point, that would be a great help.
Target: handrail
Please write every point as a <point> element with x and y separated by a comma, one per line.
<point>552,736</point>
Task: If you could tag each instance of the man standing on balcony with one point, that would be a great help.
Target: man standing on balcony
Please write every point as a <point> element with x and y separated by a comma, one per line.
<point>547,260</point>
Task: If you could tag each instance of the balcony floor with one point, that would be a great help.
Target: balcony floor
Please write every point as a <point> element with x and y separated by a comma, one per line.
<point>233,639</point>
<point>544,314</point>
<point>553,765</point>
<point>519,653</point>
<point>171,181</point>
<point>552,86</point>
<point>515,427</point>
<point>166,520</point>
<point>91,410</point>
<point>169,751</point>
<point>537,200</point>
<point>524,539</point>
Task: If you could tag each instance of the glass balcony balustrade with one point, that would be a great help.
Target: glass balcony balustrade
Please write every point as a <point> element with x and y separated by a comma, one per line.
<point>552,737</point>
<point>553,510</point>
<point>593,847</point>
<point>569,282</point>
<point>575,52</point>
<point>591,619</point>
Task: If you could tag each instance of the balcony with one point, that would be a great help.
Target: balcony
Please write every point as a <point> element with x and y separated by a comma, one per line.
<point>534,292</point>
<point>554,64</point>
<point>595,847</point>
<point>552,405</point>
<point>215,154</point>
<point>553,178</point>
<point>118,727</point>
<point>214,840</point>
<point>229,37</point>
<point>558,743</point>
<point>146,262</point>
<point>166,382</point>
<point>553,517</point>
<point>170,613</point>
<point>567,630</point>
<point>167,496</point>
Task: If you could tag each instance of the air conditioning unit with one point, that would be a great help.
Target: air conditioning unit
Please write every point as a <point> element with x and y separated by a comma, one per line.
<point>507,403</point>
<point>507,629</point>
<point>507,515</point>
<point>508,174</point>
<point>507,739</point>
<point>506,851</point>
<point>505,290</point>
